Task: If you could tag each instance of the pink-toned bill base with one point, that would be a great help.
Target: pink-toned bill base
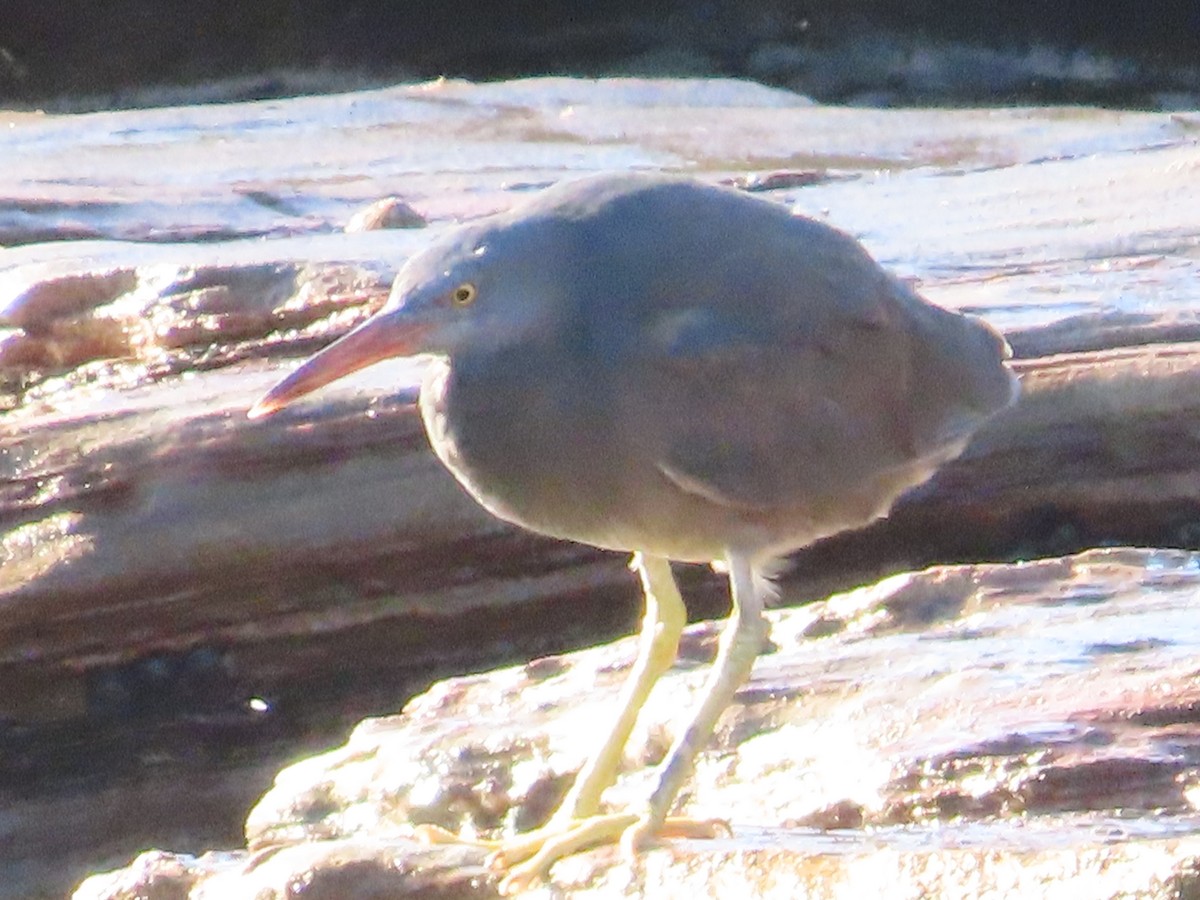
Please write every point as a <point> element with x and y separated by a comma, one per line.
<point>380,338</point>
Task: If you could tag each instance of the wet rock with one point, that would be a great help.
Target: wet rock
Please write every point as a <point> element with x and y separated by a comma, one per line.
<point>154,875</point>
<point>775,181</point>
<point>222,305</point>
<point>63,344</point>
<point>390,212</point>
<point>996,728</point>
<point>45,301</point>
<point>178,319</point>
<point>329,870</point>
<point>1009,690</point>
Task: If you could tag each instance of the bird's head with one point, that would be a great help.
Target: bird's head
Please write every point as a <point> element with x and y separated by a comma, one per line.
<point>481,286</point>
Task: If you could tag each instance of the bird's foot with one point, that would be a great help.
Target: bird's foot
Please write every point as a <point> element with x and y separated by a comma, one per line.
<point>526,859</point>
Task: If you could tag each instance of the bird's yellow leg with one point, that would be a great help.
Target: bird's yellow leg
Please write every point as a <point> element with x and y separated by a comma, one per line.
<point>662,625</point>
<point>741,643</point>
<point>577,824</point>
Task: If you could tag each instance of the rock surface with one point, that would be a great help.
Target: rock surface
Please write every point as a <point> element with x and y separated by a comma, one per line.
<point>189,599</point>
<point>1019,730</point>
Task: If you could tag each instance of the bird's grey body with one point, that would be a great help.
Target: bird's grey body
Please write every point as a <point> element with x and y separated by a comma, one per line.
<point>662,366</point>
<point>758,393</point>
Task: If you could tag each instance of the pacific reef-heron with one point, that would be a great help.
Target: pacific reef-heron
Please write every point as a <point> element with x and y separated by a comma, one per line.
<point>658,365</point>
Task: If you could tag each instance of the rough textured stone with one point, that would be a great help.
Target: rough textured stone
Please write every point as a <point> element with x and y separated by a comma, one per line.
<point>1028,730</point>
<point>328,870</point>
<point>390,212</point>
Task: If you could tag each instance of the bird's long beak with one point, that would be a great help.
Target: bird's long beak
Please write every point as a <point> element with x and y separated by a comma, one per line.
<point>380,337</point>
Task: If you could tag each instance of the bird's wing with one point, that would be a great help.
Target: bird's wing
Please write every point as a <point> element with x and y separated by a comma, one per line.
<point>771,414</point>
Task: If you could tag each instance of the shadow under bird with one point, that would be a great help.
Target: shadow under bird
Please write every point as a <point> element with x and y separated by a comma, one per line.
<point>657,365</point>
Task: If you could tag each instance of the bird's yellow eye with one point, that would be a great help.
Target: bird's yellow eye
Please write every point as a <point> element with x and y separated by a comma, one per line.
<point>464,294</point>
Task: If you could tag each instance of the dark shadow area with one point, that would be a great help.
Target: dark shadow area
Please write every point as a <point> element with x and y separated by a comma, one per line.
<point>138,52</point>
